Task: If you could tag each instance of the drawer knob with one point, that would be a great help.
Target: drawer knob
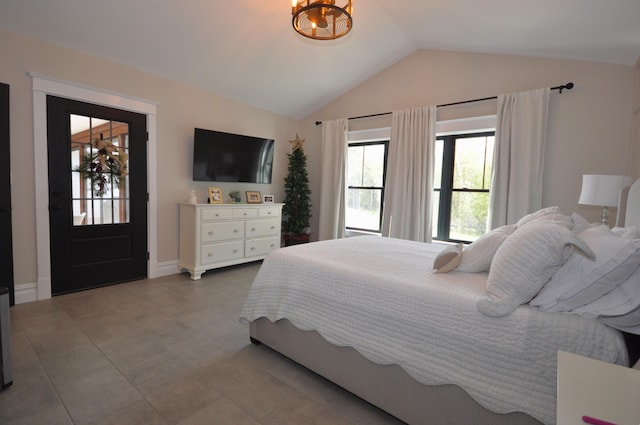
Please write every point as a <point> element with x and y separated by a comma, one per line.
<point>253,229</point>
<point>253,248</point>
<point>272,245</point>
<point>210,254</point>
<point>217,215</point>
<point>235,230</point>
<point>235,251</point>
<point>273,227</point>
<point>269,213</point>
<point>244,214</point>
<point>210,232</point>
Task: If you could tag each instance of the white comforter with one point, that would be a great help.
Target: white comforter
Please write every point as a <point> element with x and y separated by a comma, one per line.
<point>379,296</point>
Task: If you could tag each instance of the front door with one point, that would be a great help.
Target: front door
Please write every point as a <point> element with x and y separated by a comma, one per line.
<point>97,195</point>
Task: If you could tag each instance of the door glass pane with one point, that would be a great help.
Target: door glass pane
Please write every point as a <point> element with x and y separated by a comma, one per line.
<point>99,171</point>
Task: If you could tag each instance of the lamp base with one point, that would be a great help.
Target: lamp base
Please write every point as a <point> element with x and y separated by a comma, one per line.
<point>605,216</point>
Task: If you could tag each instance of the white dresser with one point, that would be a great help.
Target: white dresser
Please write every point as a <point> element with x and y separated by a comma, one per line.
<point>220,235</point>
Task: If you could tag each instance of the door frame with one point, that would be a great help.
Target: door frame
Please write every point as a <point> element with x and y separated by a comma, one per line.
<point>43,86</point>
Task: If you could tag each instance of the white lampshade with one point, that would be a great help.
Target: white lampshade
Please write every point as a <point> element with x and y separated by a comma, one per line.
<point>602,190</point>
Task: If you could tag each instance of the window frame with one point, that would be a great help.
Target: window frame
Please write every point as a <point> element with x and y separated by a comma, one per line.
<point>446,190</point>
<point>385,143</point>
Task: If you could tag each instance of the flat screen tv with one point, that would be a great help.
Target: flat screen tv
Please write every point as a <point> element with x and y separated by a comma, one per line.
<point>226,157</point>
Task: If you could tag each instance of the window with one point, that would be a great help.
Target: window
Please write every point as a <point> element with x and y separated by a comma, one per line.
<point>366,170</point>
<point>462,177</point>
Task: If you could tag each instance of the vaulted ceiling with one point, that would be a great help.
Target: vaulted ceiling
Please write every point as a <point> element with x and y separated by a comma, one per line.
<point>246,49</point>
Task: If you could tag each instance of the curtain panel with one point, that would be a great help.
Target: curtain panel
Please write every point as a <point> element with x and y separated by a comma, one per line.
<point>409,185</point>
<point>518,160</point>
<point>333,179</point>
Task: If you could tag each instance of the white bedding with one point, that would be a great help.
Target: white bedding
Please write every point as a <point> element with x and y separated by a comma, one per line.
<point>380,296</point>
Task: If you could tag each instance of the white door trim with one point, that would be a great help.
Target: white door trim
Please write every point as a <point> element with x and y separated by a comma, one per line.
<point>43,86</point>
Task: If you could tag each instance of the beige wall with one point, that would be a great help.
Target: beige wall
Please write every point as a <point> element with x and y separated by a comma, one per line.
<point>180,108</point>
<point>589,127</point>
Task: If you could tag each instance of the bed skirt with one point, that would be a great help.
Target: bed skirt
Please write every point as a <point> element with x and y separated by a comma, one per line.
<point>387,387</point>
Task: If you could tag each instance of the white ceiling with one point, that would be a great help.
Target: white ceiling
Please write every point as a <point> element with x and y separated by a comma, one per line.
<point>246,49</point>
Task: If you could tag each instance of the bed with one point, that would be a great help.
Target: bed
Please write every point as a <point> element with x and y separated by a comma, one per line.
<point>369,314</point>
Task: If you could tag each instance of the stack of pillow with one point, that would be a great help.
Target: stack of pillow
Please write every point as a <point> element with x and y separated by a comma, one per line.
<point>556,263</point>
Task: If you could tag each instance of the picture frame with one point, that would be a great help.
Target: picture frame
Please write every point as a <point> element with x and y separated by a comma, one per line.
<point>268,199</point>
<point>215,195</point>
<point>253,197</point>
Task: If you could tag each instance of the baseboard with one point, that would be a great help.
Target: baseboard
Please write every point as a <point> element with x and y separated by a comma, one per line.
<point>25,293</point>
<point>28,292</point>
<point>165,268</point>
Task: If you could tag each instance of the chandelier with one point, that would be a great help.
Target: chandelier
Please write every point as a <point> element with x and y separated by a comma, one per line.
<point>321,19</point>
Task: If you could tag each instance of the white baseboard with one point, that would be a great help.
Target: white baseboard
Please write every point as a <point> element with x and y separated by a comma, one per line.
<point>165,268</point>
<point>25,293</point>
<point>28,292</point>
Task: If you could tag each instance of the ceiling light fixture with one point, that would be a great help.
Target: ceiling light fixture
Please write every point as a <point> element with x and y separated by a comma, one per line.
<point>321,19</point>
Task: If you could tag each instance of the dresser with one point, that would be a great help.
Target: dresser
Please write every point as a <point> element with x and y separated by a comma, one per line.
<point>220,235</point>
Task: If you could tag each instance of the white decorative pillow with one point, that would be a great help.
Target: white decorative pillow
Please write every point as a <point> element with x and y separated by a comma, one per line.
<point>552,214</point>
<point>580,223</point>
<point>524,263</point>
<point>477,256</point>
<point>631,232</point>
<point>447,259</point>
<point>620,308</point>
<point>581,281</point>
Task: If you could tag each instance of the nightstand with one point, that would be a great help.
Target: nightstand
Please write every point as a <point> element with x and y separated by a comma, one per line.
<point>597,389</point>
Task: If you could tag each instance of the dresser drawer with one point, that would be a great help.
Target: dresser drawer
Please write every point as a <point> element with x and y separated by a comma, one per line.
<point>261,246</point>
<point>258,228</point>
<point>228,230</point>
<point>269,212</point>
<point>221,252</point>
<point>216,214</point>
<point>245,213</point>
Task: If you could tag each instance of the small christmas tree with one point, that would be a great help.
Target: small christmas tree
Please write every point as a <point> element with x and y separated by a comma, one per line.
<point>297,202</point>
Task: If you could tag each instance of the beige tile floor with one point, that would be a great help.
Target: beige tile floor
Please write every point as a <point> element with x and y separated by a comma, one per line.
<point>161,351</point>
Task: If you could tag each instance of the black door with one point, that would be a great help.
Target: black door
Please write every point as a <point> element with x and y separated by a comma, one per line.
<point>6,258</point>
<point>97,195</point>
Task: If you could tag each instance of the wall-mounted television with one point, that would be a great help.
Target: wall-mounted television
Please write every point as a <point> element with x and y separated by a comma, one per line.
<point>227,157</point>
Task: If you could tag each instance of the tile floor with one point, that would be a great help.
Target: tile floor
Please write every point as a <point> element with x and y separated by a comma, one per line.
<point>161,351</point>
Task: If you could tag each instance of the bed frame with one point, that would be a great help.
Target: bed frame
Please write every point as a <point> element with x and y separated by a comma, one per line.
<point>388,386</point>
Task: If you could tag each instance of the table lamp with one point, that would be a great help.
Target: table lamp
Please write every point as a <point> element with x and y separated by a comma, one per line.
<point>602,190</point>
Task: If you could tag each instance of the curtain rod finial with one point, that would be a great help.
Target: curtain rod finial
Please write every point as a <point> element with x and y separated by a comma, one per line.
<point>567,86</point>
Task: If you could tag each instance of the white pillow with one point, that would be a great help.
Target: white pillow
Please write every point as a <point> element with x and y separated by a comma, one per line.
<point>580,223</point>
<point>581,281</point>
<point>631,232</point>
<point>620,308</point>
<point>477,256</point>
<point>524,263</point>
<point>552,214</point>
<point>447,259</point>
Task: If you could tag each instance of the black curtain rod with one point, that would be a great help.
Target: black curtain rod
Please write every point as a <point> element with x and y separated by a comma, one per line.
<point>567,86</point>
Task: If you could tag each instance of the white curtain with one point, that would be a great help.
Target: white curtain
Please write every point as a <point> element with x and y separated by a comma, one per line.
<point>333,179</point>
<point>409,185</point>
<point>518,160</point>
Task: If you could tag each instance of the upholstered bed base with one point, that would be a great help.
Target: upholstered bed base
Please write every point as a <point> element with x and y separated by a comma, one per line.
<point>387,387</point>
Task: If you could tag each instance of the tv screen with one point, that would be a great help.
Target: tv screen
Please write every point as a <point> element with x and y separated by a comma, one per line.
<point>226,157</point>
